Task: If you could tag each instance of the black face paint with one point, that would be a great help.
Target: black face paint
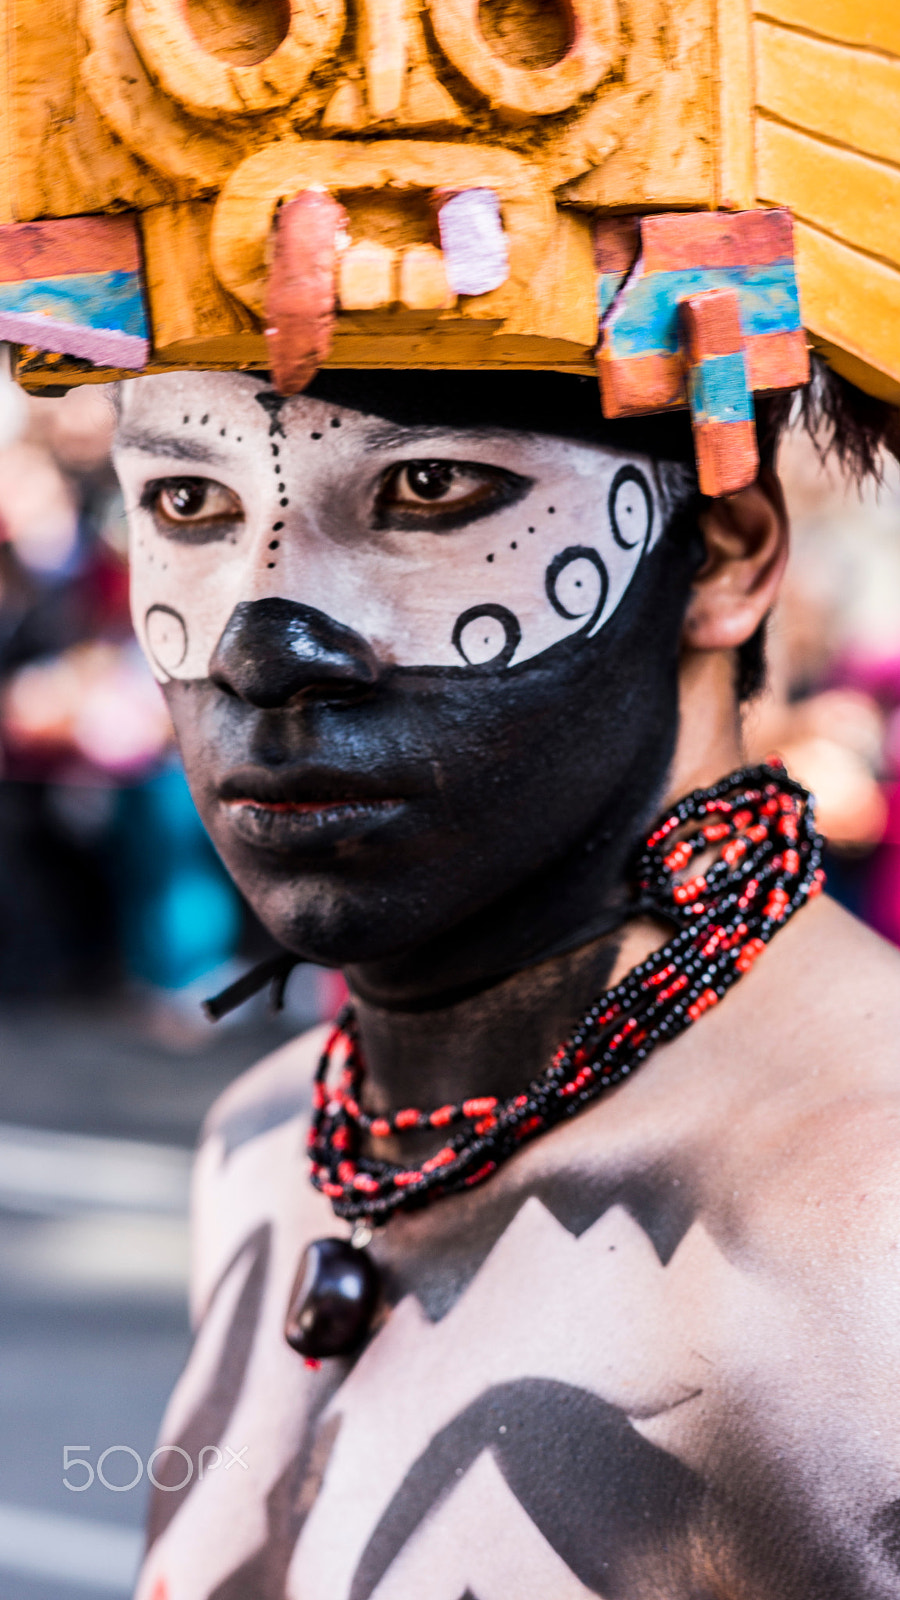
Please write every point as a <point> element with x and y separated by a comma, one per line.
<point>473,817</point>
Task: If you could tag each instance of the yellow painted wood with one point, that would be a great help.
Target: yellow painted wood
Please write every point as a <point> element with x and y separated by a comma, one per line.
<point>875,23</point>
<point>209,84</point>
<point>165,106</point>
<point>246,207</point>
<point>665,126</point>
<point>846,194</point>
<point>64,160</point>
<point>426,103</point>
<point>736,189</point>
<point>194,156</point>
<point>851,302</point>
<point>384,49</point>
<point>7,211</point>
<point>859,372</point>
<point>520,91</point>
<point>192,316</point>
<point>851,96</point>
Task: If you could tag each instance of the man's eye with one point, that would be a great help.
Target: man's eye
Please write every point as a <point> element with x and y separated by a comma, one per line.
<point>424,480</point>
<point>191,503</point>
<point>444,493</point>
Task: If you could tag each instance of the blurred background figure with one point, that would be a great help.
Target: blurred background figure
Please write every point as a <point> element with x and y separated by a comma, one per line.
<point>89,778</point>
<point>116,918</point>
<point>832,701</point>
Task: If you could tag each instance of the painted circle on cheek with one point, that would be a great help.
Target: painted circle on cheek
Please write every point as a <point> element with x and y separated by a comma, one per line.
<point>577,583</point>
<point>630,508</point>
<point>487,635</point>
<point>166,636</point>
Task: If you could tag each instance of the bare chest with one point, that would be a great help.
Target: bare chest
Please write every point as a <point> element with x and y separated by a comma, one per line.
<point>586,1394</point>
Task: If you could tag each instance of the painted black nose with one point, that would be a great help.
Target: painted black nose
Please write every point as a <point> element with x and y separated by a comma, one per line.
<point>275,650</point>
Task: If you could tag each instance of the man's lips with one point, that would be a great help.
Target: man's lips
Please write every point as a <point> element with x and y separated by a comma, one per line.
<point>305,807</point>
<point>302,811</point>
<point>305,789</point>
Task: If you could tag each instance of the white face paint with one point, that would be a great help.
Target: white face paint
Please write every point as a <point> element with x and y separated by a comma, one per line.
<point>441,547</point>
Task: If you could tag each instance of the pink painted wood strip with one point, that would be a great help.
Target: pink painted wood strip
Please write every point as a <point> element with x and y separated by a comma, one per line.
<point>67,245</point>
<point>616,243</point>
<point>105,347</point>
<point>301,293</point>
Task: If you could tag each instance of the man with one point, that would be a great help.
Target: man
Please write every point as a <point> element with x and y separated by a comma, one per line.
<point>455,648</point>
<point>438,650</point>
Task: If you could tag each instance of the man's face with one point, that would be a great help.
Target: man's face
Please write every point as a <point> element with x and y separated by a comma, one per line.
<point>412,670</point>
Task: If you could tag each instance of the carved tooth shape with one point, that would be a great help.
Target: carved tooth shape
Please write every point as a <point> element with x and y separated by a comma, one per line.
<point>366,274</point>
<point>308,234</point>
<point>344,112</point>
<point>423,279</point>
<point>476,257</point>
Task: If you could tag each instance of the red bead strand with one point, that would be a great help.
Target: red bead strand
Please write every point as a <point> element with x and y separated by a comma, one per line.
<point>767,864</point>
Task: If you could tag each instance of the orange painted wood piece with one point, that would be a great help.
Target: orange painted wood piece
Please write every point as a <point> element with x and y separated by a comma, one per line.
<point>677,240</point>
<point>778,360</point>
<point>721,401</point>
<point>727,457</point>
<point>657,382</point>
<point>711,324</point>
<point>68,245</point>
<point>301,292</point>
<point>642,384</point>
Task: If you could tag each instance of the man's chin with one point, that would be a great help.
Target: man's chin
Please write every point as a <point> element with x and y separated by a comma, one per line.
<point>324,918</point>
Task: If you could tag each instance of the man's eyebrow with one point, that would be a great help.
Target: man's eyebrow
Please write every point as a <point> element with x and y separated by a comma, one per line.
<point>165,444</point>
<point>392,437</point>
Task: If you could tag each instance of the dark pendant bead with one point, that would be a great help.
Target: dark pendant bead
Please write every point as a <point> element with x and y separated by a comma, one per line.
<point>332,1300</point>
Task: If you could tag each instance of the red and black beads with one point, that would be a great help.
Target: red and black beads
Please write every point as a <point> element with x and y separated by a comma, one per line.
<point>752,842</point>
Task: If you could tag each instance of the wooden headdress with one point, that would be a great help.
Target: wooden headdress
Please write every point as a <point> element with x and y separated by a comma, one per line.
<point>681,195</point>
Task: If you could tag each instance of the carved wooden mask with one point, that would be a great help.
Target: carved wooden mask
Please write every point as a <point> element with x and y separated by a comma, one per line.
<point>200,116</point>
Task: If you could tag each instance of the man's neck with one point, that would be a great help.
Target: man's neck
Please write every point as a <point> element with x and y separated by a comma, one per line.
<point>492,1043</point>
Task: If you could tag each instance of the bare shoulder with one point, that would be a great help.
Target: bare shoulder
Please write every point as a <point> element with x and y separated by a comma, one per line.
<point>267,1094</point>
<point>827,997</point>
<point>814,1132</point>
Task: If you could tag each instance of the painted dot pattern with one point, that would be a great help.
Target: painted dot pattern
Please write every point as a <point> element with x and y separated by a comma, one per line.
<point>576,582</point>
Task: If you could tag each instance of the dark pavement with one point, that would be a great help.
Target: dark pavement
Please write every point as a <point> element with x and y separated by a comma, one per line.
<point>99,1109</point>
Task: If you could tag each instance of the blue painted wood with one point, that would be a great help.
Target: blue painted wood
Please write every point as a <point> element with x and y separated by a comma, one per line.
<point>647,323</point>
<point>103,300</point>
<point>718,390</point>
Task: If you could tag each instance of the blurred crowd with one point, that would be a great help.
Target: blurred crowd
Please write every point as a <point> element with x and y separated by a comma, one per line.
<point>106,876</point>
<point>832,703</point>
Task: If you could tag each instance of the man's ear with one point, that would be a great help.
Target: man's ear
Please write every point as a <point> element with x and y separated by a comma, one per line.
<point>746,539</point>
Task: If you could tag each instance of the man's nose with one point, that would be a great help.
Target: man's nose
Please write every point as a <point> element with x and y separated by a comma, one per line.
<point>273,651</point>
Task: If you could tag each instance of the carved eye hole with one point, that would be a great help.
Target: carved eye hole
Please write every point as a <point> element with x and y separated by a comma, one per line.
<point>527,33</point>
<point>241,32</point>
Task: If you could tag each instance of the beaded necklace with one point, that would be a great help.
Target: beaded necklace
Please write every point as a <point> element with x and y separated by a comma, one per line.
<point>758,826</point>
